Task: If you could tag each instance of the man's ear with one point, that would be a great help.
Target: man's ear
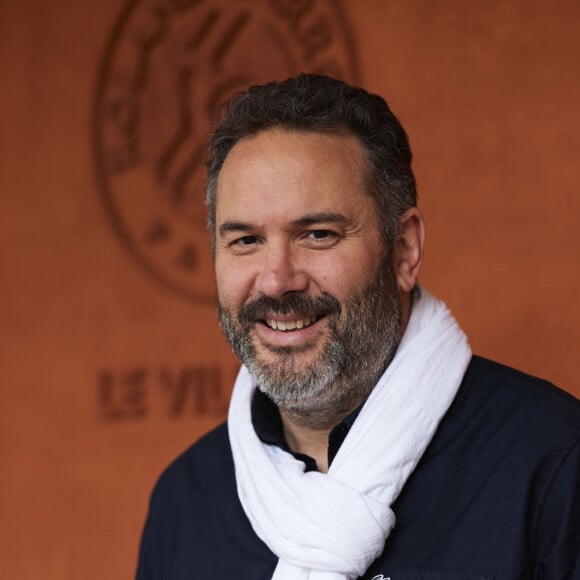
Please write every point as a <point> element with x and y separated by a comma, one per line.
<point>408,249</point>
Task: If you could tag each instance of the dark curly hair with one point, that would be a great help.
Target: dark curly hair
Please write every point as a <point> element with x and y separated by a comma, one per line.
<point>312,102</point>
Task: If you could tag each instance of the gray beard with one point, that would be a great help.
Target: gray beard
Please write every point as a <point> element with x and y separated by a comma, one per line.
<point>361,343</point>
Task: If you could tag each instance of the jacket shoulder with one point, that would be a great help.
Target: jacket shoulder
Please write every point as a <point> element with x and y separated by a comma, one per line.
<point>524,396</point>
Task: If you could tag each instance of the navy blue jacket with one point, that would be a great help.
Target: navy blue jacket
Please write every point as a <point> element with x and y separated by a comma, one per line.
<point>496,495</point>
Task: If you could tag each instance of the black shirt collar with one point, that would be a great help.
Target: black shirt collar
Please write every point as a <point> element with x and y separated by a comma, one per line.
<point>268,426</point>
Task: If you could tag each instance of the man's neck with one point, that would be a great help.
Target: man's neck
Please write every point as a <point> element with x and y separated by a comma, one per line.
<point>310,435</point>
<point>306,439</point>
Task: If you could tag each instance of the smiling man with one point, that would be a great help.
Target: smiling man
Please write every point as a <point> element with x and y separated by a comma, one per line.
<point>363,439</point>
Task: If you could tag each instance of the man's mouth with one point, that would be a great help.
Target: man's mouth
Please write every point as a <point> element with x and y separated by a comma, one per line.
<point>293,315</point>
<point>286,325</point>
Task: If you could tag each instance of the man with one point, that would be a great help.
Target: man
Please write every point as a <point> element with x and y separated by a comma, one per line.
<point>363,439</point>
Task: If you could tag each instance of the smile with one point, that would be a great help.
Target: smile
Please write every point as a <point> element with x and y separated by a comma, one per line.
<point>286,325</point>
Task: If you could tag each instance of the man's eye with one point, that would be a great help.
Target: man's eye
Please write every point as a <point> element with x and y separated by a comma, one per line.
<point>243,244</point>
<point>319,234</point>
<point>322,238</point>
<point>322,235</point>
<point>245,241</point>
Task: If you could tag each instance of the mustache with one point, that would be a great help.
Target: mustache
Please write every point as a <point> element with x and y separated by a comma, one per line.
<point>296,304</point>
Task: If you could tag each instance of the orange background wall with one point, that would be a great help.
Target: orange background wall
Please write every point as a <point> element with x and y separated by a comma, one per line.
<point>111,362</point>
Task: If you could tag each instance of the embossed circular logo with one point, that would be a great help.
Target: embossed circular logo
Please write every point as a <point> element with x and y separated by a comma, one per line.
<point>168,67</point>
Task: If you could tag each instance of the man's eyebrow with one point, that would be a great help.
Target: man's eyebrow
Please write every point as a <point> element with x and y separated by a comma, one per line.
<point>234,226</point>
<point>320,218</point>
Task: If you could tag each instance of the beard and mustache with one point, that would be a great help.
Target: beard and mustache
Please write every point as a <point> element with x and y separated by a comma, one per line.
<point>361,338</point>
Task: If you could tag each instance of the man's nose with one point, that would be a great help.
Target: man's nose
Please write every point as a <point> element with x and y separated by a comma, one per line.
<point>281,273</point>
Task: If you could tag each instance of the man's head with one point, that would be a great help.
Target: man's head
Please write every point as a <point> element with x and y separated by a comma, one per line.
<point>318,103</point>
<point>310,266</point>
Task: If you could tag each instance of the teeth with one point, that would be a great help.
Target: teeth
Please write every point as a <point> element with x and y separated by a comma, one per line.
<point>290,324</point>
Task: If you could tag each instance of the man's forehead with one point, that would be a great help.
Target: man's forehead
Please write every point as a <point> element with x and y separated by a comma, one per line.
<point>279,158</point>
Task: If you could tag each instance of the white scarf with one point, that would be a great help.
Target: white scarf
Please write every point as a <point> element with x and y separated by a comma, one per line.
<point>333,526</point>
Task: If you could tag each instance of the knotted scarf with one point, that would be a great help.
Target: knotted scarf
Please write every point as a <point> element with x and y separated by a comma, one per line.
<point>333,526</point>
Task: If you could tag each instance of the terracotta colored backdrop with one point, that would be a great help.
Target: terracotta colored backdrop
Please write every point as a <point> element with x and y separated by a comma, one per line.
<point>111,362</point>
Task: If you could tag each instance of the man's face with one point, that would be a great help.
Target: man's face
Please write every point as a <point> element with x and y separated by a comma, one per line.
<point>306,289</point>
